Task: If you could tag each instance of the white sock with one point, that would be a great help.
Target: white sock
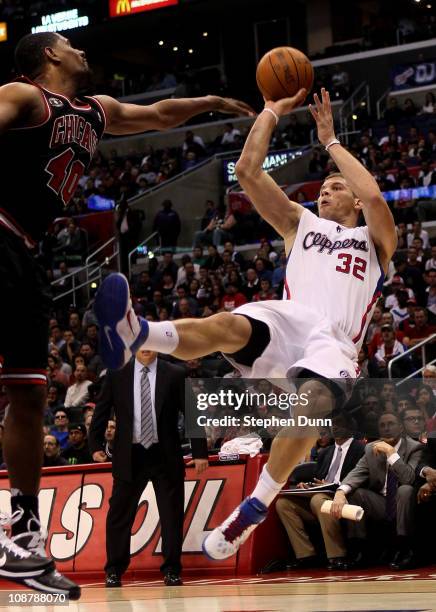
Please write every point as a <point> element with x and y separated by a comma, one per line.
<point>267,488</point>
<point>162,337</point>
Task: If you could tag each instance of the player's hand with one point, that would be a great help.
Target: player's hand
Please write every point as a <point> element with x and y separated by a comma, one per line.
<point>287,105</point>
<point>99,456</point>
<point>339,502</point>
<point>384,448</point>
<point>232,107</point>
<point>424,493</point>
<point>201,465</point>
<point>322,113</point>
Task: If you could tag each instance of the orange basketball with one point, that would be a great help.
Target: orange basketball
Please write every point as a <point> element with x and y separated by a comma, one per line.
<point>282,72</point>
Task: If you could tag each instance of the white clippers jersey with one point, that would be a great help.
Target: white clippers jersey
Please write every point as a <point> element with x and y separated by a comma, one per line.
<point>335,271</point>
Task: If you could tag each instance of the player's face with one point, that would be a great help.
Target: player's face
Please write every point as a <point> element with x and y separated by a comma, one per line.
<point>72,60</point>
<point>336,201</point>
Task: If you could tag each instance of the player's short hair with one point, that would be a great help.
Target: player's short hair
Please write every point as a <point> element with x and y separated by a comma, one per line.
<point>30,52</point>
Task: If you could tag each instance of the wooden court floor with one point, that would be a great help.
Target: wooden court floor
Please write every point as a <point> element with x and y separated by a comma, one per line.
<point>407,592</point>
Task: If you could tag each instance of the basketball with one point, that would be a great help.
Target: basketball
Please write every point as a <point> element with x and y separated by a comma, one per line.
<point>282,72</point>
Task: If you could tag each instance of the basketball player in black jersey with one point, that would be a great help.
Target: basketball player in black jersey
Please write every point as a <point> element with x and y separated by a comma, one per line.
<point>48,135</point>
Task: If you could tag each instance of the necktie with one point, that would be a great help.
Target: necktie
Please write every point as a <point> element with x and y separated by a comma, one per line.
<point>147,435</point>
<point>335,466</point>
<point>391,495</point>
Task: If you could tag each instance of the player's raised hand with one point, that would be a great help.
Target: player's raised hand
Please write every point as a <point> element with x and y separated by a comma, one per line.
<point>322,113</point>
<point>233,107</point>
<point>287,105</point>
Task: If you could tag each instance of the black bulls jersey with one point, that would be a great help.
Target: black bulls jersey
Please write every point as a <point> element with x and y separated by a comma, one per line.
<point>42,165</point>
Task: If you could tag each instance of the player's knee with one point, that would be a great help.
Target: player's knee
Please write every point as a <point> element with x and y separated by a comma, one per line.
<point>232,327</point>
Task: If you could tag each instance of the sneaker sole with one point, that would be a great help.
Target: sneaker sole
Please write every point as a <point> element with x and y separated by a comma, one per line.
<point>73,593</point>
<point>111,306</point>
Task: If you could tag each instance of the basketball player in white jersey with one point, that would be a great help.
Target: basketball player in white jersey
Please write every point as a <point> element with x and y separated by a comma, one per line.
<point>333,278</point>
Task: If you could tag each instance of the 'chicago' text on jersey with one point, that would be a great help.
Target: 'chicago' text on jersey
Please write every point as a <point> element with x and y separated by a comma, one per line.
<point>316,239</point>
<point>74,128</point>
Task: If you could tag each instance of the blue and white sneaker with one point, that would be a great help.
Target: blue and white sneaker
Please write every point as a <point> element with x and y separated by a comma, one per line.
<point>225,540</point>
<point>122,332</point>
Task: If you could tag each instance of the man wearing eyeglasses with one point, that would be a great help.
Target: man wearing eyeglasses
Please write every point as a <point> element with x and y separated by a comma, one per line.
<point>414,423</point>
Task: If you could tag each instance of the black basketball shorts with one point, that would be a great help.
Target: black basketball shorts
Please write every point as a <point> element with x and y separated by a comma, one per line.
<point>25,305</point>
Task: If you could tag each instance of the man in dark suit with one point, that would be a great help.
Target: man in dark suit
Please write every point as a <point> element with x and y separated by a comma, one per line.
<point>146,397</point>
<point>382,483</point>
<point>426,511</point>
<point>334,463</point>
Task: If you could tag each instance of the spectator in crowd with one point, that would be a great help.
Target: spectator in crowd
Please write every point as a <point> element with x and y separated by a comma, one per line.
<point>389,349</point>
<point>431,262</point>
<point>393,113</point>
<point>77,452</point>
<point>187,272</point>
<point>198,256</point>
<point>167,224</point>
<point>231,138</point>
<point>409,109</point>
<point>60,428</point>
<point>413,423</point>
<point>232,298</point>
<point>75,325</point>
<point>426,178</point>
<point>426,401</point>
<point>69,240</point>
<point>266,292</point>
<point>418,232</point>
<point>56,337</point>
<point>421,329</point>
<point>53,399</point>
<point>93,362</point>
<point>167,266</point>
<point>194,143</point>
<point>52,452</point>
<point>382,484</point>
<point>429,106</point>
<point>213,260</point>
<point>400,312</point>
<point>78,394</point>
<point>334,463</point>
<point>70,347</point>
<point>54,372</point>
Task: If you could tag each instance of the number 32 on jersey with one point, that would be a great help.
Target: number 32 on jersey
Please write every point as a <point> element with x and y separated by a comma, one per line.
<point>354,265</point>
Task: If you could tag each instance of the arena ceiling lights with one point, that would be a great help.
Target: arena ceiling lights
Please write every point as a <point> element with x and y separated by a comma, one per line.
<point>121,8</point>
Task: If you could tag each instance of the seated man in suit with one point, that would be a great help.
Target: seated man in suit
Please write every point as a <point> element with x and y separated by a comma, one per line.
<point>382,483</point>
<point>146,397</point>
<point>426,511</point>
<point>333,465</point>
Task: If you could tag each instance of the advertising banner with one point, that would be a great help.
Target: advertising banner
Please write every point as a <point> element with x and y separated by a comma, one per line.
<point>119,8</point>
<point>421,74</point>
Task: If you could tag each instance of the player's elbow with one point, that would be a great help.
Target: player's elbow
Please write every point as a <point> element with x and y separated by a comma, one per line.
<point>245,169</point>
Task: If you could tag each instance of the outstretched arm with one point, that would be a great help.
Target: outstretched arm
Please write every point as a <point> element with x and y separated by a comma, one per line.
<point>377,215</point>
<point>133,118</point>
<point>268,199</point>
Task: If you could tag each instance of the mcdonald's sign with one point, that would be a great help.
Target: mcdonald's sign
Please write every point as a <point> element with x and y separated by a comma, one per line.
<point>120,8</point>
